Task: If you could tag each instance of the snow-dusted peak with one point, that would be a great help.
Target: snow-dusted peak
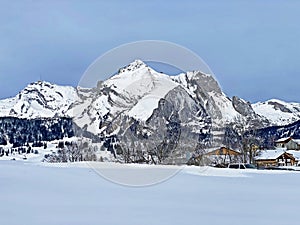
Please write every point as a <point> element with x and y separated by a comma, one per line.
<point>39,99</point>
<point>135,65</point>
<point>193,79</point>
<point>137,80</point>
<point>39,85</point>
<point>206,81</point>
<point>278,112</point>
<point>199,74</point>
<point>136,70</point>
<point>46,92</point>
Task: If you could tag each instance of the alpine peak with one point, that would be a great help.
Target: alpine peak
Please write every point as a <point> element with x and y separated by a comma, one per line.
<point>135,65</point>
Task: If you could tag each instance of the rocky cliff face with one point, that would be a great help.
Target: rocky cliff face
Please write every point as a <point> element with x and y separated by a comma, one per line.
<point>243,107</point>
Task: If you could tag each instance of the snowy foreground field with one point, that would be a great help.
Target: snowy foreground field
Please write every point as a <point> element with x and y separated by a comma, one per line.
<point>39,193</point>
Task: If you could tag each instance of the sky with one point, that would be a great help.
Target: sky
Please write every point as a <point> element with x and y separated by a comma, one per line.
<point>252,47</point>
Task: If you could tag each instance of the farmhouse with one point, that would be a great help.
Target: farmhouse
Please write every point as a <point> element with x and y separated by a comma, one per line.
<point>277,157</point>
<point>289,143</point>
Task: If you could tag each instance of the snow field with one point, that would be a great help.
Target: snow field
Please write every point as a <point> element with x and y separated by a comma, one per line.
<point>33,193</point>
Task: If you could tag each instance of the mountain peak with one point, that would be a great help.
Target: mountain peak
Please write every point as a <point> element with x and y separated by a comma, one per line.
<point>206,81</point>
<point>38,85</point>
<point>135,65</point>
<point>39,99</point>
<point>278,112</point>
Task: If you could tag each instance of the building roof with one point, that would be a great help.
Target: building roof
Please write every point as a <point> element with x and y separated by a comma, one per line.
<point>296,141</point>
<point>283,140</point>
<point>271,154</point>
<point>223,151</point>
<point>295,153</point>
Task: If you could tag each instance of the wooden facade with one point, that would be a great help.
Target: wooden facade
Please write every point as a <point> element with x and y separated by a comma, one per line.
<point>285,159</point>
<point>223,151</point>
<point>223,155</point>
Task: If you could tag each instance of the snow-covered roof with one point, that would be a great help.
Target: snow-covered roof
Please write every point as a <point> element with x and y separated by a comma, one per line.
<point>283,139</point>
<point>295,153</point>
<point>271,154</point>
<point>296,141</point>
<point>287,139</point>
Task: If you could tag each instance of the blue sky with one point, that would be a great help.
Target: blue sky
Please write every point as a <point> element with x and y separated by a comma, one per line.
<point>251,46</point>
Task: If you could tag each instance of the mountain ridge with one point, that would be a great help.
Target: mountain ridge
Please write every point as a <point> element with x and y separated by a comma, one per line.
<point>44,99</point>
<point>150,113</point>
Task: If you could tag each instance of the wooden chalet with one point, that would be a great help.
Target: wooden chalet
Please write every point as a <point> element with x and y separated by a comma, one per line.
<point>223,155</point>
<point>277,157</point>
<point>224,151</point>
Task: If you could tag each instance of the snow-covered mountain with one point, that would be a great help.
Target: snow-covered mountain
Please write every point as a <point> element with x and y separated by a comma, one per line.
<point>137,89</point>
<point>147,111</point>
<point>39,100</point>
<point>278,112</point>
<point>135,92</point>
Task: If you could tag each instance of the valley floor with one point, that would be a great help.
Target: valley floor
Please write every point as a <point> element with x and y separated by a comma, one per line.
<point>40,193</point>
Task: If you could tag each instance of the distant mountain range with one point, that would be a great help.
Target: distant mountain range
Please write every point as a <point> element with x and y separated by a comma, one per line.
<point>141,109</point>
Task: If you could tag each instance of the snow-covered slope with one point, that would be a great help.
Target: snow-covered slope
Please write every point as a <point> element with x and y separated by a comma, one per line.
<point>37,194</point>
<point>143,86</point>
<point>38,100</point>
<point>278,112</point>
<point>134,92</point>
